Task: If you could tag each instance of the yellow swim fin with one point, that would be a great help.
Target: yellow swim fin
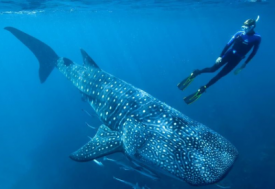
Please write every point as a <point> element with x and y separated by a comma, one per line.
<point>195,96</point>
<point>184,83</point>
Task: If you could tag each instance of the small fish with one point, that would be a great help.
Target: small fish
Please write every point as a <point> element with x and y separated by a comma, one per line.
<point>125,168</point>
<point>91,115</point>
<point>98,163</point>
<point>90,125</point>
<point>134,186</point>
<point>117,162</point>
<point>140,170</point>
<point>223,186</point>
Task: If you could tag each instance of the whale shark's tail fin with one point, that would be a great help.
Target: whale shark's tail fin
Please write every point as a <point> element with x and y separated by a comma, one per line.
<point>45,54</point>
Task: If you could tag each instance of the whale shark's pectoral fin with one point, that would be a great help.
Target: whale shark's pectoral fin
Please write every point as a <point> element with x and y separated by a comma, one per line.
<point>103,143</point>
<point>88,61</point>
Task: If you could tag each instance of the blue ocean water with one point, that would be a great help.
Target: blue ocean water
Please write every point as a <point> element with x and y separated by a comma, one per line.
<point>152,45</point>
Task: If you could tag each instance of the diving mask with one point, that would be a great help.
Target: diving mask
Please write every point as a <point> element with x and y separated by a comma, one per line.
<point>247,29</point>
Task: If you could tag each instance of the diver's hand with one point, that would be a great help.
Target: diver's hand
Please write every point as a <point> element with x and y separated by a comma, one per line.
<point>219,60</point>
<point>237,71</point>
<point>243,66</point>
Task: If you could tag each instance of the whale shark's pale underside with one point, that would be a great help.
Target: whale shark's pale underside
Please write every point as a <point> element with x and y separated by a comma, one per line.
<point>148,131</point>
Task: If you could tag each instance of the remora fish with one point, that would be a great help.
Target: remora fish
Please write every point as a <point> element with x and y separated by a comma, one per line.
<point>134,186</point>
<point>138,169</point>
<point>145,129</point>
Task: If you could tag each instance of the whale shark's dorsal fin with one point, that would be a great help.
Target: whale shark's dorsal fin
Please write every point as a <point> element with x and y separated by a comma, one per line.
<point>88,61</point>
<point>103,143</point>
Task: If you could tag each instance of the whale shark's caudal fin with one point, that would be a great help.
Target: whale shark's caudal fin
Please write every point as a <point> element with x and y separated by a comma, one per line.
<point>88,61</point>
<point>103,143</point>
<point>45,54</point>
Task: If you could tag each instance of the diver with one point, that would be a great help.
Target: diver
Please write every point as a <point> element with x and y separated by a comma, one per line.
<point>241,43</point>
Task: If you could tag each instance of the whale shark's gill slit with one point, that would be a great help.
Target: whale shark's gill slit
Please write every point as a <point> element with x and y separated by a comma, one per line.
<point>45,54</point>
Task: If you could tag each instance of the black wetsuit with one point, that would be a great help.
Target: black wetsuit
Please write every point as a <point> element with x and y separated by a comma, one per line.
<point>242,44</point>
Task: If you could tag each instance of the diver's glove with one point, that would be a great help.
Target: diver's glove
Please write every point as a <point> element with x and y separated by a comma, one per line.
<point>219,60</point>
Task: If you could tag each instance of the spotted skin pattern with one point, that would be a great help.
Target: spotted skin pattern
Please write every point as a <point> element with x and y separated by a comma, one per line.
<point>147,130</point>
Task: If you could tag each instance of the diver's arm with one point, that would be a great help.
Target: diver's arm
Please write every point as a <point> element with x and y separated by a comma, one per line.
<point>230,42</point>
<point>227,46</point>
<point>254,51</point>
<point>225,49</point>
<point>219,59</point>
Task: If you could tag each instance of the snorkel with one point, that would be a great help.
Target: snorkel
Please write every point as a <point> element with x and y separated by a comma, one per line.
<point>258,18</point>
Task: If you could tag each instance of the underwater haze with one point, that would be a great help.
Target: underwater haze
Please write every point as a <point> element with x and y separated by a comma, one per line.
<point>152,45</point>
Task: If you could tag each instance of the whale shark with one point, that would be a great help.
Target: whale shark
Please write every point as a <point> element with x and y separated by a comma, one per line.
<point>148,132</point>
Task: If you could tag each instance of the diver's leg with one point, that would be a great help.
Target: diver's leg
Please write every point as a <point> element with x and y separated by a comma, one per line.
<point>225,70</point>
<point>214,68</point>
<point>184,83</point>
